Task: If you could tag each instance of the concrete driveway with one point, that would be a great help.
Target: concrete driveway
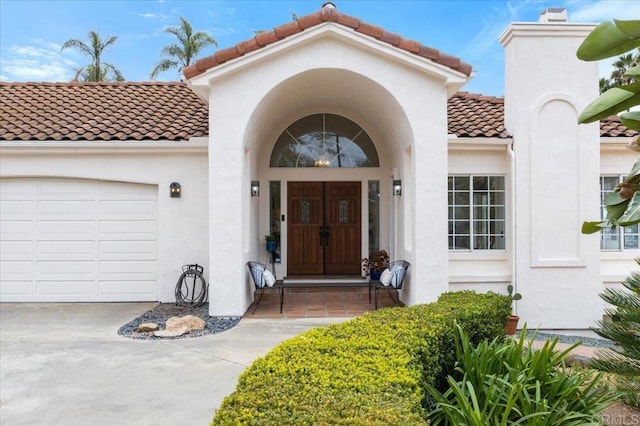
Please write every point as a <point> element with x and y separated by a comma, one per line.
<point>65,364</point>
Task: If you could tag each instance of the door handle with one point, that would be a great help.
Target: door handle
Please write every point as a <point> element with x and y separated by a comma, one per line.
<point>324,235</point>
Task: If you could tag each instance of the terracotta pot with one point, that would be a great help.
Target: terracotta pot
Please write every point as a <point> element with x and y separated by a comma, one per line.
<point>512,325</point>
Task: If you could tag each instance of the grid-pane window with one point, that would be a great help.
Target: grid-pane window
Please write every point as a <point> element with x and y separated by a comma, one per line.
<point>476,213</point>
<point>618,238</point>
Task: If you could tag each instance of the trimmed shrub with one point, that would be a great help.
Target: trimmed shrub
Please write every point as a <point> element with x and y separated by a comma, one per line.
<point>369,370</point>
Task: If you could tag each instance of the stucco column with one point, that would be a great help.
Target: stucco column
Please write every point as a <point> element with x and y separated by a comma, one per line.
<point>227,286</point>
<point>425,227</point>
<point>557,169</point>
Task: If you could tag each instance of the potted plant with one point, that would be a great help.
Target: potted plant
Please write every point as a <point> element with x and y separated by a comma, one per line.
<point>272,242</point>
<point>512,322</point>
<point>374,265</point>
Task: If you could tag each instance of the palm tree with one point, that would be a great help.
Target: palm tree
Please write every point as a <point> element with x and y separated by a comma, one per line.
<point>621,66</point>
<point>96,70</point>
<point>623,359</point>
<point>181,54</point>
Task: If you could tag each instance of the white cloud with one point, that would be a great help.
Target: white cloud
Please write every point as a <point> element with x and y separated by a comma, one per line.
<point>493,25</point>
<point>603,10</point>
<point>41,61</point>
<point>150,15</point>
<point>3,78</point>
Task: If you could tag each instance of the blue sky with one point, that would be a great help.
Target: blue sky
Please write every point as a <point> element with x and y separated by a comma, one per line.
<point>32,32</point>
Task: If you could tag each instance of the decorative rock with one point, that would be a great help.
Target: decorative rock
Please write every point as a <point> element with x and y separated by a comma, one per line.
<point>172,333</point>
<point>146,327</point>
<point>177,326</point>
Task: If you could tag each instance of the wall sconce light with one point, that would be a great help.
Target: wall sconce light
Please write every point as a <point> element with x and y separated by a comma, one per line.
<point>175,190</point>
<point>255,188</point>
<point>397,187</point>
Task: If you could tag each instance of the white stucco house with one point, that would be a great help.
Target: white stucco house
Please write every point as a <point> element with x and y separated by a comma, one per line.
<point>340,138</point>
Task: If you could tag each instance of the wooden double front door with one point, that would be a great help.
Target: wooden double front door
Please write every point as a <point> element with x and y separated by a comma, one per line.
<point>324,228</point>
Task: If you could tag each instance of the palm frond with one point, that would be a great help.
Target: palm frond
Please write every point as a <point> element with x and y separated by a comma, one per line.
<point>76,44</point>
<point>162,66</point>
<point>117,75</point>
<point>188,46</point>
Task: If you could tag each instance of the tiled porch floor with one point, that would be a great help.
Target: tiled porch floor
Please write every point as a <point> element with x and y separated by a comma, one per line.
<point>319,302</point>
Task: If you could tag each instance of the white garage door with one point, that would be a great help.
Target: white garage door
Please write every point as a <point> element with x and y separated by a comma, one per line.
<point>72,240</point>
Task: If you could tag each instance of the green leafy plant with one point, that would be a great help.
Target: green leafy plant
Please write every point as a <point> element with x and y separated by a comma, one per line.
<point>624,328</point>
<point>508,382</point>
<point>607,40</point>
<point>270,237</point>
<point>512,295</point>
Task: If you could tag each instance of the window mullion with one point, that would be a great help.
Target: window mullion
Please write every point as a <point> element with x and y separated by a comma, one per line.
<point>472,234</point>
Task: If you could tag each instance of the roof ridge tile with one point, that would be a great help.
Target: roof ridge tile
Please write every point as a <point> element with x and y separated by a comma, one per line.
<point>325,14</point>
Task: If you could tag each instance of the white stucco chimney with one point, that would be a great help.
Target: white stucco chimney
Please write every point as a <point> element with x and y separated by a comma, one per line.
<point>554,14</point>
<point>557,163</point>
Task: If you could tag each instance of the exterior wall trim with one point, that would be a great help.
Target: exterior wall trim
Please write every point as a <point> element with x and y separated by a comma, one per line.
<point>195,146</point>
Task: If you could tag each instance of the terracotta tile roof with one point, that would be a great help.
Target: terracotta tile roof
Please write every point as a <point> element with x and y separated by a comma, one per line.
<point>101,111</point>
<point>613,127</point>
<point>476,116</point>
<point>171,111</point>
<point>326,14</point>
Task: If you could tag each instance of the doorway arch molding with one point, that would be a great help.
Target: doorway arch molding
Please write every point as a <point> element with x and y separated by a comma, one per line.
<point>334,91</point>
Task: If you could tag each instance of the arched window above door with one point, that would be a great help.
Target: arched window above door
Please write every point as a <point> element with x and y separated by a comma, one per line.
<point>324,140</point>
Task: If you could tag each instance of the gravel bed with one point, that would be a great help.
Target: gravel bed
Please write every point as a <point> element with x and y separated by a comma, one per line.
<point>586,341</point>
<point>163,311</point>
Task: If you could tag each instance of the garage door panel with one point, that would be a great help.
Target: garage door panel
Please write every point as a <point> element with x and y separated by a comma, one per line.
<point>67,189</point>
<point>126,250</point>
<point>16,209</point>
<point>83,288</point>
<point>16,270</point>
<point>77,240</point>
<point>66,270</point>
<point>127,270</point>
<point>66,230</point>
<point>128,287</point>
<point>67,209</point>
<point>127,230</point>
<point>126,191</point>
<point>14,288</point>
<point>16,229</point>
<point>18,189</point>
<point>16,250</point>
<point>131,209</point>
<point>66,250</point>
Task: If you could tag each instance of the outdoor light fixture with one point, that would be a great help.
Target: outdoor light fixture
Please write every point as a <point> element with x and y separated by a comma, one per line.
<point>255,188</point>
<point>397,187</point>
<point>175,190</point>
<point>321,162</point>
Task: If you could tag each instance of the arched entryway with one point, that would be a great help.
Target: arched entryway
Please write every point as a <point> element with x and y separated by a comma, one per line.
<point>323,235</point>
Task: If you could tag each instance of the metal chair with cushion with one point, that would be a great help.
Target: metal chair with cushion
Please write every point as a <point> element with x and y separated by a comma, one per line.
<point>261,277</point>
<point>397,272</point>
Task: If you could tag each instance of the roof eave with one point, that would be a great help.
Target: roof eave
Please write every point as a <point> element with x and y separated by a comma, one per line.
<point>453,79</point>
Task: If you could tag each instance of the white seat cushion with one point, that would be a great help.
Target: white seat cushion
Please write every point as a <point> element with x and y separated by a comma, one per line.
<point>269,279</point>
<point>385,277</point>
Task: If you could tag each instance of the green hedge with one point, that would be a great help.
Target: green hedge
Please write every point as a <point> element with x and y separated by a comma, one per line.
<point>369,370</point>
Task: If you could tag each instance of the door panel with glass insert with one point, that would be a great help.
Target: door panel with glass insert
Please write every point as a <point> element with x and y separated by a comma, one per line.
<point>324,228</point>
